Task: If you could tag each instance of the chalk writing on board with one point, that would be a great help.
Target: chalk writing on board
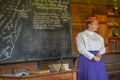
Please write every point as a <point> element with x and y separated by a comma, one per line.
<point>51,14</point>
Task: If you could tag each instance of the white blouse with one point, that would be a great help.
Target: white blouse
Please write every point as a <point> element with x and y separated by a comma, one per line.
<point>89,41</point>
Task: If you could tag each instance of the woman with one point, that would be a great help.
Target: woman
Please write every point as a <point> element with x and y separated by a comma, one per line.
<point>91,46</point>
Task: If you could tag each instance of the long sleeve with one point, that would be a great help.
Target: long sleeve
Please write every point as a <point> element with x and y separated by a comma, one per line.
<point>102,50</point>
<point>81,47</point>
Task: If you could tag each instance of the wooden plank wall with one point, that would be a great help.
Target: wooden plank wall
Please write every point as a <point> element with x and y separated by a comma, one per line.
<point>112,65</point>
<point>79,13</point>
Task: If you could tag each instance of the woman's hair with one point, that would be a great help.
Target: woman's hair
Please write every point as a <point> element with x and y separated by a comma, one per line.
<point>87,23</point>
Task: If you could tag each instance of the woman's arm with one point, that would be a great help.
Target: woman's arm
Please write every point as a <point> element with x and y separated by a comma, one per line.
<point>102,49</point>
<point>81,47</point>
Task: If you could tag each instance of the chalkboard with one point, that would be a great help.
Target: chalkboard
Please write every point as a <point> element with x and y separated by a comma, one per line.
<point>34,29</point>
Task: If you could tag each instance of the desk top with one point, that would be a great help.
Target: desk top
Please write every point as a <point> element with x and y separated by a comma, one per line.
<point>39,75</point>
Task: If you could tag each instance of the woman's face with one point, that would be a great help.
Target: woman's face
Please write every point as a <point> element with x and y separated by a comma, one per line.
<point>93,26</point>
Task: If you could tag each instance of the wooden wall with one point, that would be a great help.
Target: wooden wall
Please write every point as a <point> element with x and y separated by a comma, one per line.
<point>112,65</point>
<point>79,13</point>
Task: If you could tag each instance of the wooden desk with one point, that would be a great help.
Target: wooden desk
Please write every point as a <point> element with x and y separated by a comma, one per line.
<point>65,75</point>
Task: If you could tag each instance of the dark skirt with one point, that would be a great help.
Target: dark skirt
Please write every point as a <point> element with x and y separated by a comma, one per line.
<point>91,70</point>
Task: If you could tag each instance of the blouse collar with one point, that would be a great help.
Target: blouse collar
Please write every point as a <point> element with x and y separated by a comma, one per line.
<point>89,32</point>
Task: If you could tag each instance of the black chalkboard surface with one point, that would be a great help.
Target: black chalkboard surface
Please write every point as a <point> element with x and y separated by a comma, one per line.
<point>34,29</point>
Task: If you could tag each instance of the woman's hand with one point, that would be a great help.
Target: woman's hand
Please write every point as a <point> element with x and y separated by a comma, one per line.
<point>98,54</point>
<point>96,58</point>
